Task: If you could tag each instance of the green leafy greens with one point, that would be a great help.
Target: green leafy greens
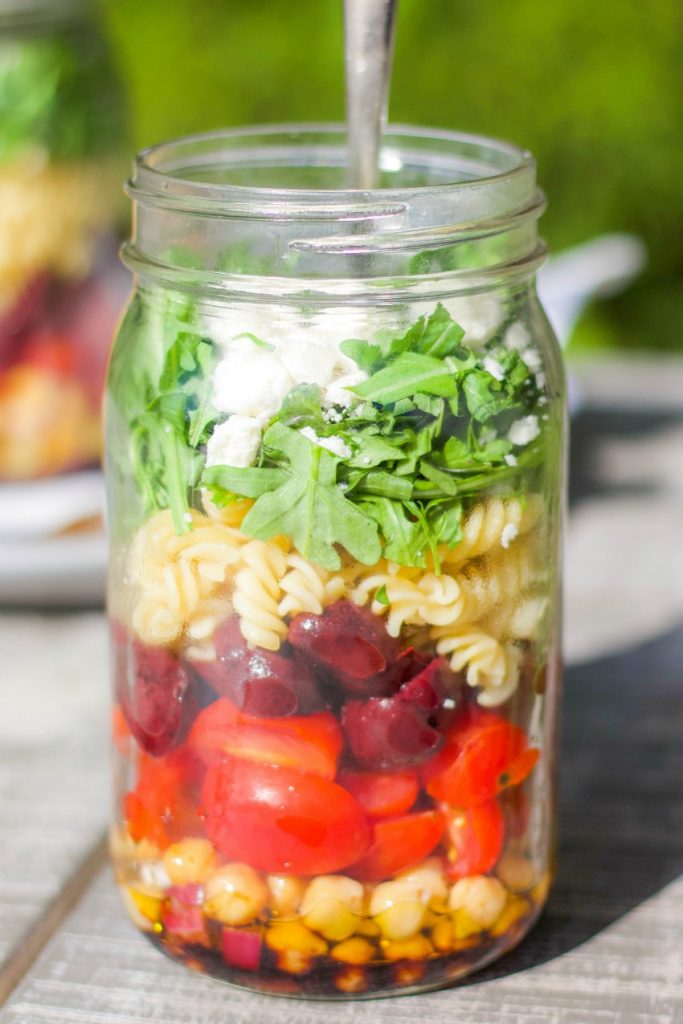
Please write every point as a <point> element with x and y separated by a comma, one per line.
<point>427,431</point>
<point>388,475</point>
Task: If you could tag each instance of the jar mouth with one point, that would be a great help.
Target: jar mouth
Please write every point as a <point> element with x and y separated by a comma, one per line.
<point>301,164</point>
<point>272,202</point>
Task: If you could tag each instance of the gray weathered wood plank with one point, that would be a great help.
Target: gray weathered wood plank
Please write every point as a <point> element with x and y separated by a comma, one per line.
<point>53,766</point>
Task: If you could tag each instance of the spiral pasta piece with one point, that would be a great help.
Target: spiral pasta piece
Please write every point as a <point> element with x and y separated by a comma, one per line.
<point>174,573</point>
<point>520,620</point>
<point>502,580</point>
<point>257,594</point>
<point>494,523</point>
<point>488,664</point>
<point>427,599</point>
<point>308,587</point>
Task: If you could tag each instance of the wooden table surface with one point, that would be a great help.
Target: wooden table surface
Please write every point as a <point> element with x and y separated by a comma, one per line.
<point>608,950</point>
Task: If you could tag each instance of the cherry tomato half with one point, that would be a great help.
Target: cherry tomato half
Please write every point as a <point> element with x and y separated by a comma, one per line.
<point>163,805</point>
<point>280,820</point>
<point>475,839</point>
<point>382,794</point>
<point>398,844</point>
<point>483,755</point>
<point>310,743</point>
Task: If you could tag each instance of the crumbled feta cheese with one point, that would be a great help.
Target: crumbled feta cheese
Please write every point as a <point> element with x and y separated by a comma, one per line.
<point>333,444</point>
<point>517,337</point>
<point>532,358</point>
<point>235,442</point>
<point>493,367</point>
<point>509,533</point>
<point>308,360</point>
<point>479,315</point>
<point>524,430</point>
<point>511,459</point>
<point>337,393</point>
<point>249,380</point>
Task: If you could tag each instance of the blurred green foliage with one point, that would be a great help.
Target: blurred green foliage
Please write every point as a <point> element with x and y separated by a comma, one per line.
<point>593,89</point>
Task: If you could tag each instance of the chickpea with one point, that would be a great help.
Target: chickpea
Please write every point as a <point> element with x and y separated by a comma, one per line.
<point>516,872</point>
<point>480,897</point>
<point>286,893</point>
<point>190,860</point>
<point>235,894</point>
<point>333,887</point>
<point>397,909</point>
<point>427,880</point>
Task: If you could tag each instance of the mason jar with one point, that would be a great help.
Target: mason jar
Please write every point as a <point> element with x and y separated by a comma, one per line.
<point>335,424</point>
<point>60,144</point>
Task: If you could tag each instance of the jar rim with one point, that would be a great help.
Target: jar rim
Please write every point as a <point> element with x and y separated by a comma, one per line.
<point>161,172</point>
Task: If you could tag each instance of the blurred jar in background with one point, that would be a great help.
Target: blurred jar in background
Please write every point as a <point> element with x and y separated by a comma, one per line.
<point>61,135</point>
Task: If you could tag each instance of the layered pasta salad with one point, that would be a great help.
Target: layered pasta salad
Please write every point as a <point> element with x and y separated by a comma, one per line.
<point>59,188</point>
<point>333,606</point>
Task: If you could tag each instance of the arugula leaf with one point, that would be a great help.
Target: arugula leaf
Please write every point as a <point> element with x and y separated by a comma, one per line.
<point>372,450</point>
<point>366,356</point>
<point>438,335</point>
<point>302,407</point>
<point>484,395</point>
<point>403,535</point>
<point>409,374</point>
<point>309,507</point>
<point>248,482</point>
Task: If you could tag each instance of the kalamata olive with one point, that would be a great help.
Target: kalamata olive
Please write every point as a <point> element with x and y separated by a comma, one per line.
<point>387,732</point>
<point>350,644</point>
<point>427,689</point>
<point>260,682</point>
<point>152,687</point>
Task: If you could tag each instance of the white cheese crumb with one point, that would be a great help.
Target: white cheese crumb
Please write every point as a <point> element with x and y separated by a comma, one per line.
<point>307,360</point>
<point>532,358</point>
<point>511,459</point>
<point>249,380</point>
<point>517,337</point>
<point>509,533</point>
<point>235,442</point>
<point>524,430</point>
<point>336,392</point>
<point>493,367</point>
<point>479,315</point>
<point>333,444</point>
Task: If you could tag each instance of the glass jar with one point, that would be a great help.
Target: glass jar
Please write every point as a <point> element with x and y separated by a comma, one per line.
<point>335,469</point>
<point>60,294</point>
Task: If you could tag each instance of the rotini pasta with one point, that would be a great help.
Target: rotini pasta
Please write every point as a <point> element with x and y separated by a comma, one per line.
<point>174,573</point>
<point>308,588</point>
<point>494,523</point>
<point>504,579</point>
<point>429,599</point>
<point>488,664</point>
<point>518,621</point>
<point>257,594</point>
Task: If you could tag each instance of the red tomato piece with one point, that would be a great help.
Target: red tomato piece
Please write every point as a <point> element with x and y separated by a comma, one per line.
<point>163,805</point>
<point>382,794</point>
<point>282,821</point>
<point>310,743</point>
<point>483,755</point>
<point>475,839</point>
<point>398,844</point>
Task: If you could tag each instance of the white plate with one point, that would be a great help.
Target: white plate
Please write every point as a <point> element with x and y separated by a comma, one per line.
<point>39,568</point>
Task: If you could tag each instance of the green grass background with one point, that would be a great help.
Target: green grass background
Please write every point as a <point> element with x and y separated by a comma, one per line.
<point>593,87</point>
